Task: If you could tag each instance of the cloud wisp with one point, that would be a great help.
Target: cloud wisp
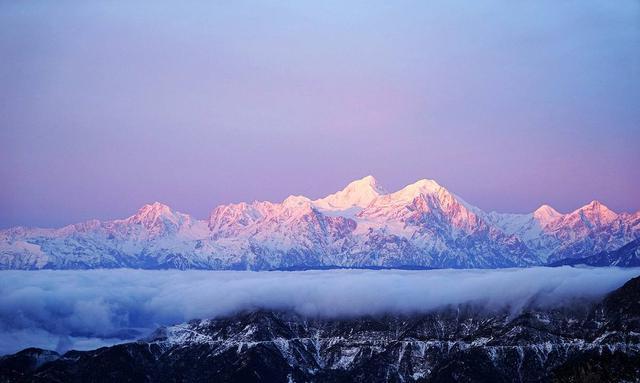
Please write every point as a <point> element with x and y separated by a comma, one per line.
<point>86,309</point>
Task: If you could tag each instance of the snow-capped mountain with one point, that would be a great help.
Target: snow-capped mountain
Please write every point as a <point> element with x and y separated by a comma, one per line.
<point>626,256</point>
<point>358,194</point>
<point>553,236</point>
<point>422,225</point>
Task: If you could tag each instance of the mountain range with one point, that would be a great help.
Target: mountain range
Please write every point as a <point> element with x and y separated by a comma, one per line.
<point>422,225</point>
<point>581,341</point>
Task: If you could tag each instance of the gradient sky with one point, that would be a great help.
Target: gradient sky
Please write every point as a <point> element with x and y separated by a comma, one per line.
<point>105,106</point>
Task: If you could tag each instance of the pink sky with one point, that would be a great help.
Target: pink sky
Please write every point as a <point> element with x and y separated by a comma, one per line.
<point>104,107</point>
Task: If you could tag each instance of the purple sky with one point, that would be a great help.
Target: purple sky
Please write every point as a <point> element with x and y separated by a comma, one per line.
<point>105,106</point>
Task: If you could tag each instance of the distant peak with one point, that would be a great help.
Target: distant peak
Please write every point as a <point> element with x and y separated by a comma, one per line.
<point>358,193</point>
<point>367,183</point>
<point>546,213</point>
<point>156,215</point>
<point>423,186</point>
<point>596,212</point>
<point>597,206</point>
<point>154,207</point>
<point>422,183</point>
<point>153,211</point>
<point>547,210</point>
<point>371,180</point>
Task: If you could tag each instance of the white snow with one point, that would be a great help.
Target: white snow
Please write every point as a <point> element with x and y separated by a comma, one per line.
<point>338,229</point>
<point>358,194</point>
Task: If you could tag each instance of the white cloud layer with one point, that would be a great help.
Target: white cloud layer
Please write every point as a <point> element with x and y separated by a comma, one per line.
<point>86,309</point>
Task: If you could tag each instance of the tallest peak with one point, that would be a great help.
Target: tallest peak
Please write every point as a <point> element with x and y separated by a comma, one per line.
<point>367,185</point>
<point>425,183</point>
<point>423,186</point>
<point>420,187</point>
<point>368,178</point>
<point>358,193</point>
<point>368,181</point>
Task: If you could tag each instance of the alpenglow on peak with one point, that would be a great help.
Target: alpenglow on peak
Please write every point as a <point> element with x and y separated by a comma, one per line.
<point>358,193</point>
<point>420,225</point>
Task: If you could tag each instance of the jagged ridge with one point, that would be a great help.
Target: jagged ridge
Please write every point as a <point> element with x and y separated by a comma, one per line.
<point>423,225</point>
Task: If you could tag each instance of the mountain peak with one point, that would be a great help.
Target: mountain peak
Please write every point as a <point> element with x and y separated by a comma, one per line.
<point>425,182</point>
<point>365,183</point>
<point>150,214</point>
<point>595,205</point>
<point>358,193</point>
<point>369,179</point>
<point>420,187</point>
<point>154,208</point>
<point>546,213</point>
<point>597,208</point>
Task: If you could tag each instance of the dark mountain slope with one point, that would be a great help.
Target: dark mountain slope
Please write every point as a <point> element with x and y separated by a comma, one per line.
<point>597,341</point>
<point>626,256</point>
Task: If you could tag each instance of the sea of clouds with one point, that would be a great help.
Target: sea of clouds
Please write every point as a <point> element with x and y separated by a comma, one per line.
<point>86,309</point>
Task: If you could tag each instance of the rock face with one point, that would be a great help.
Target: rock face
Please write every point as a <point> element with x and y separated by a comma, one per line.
<point>626,256</point>
<point>423,225</point>
<point>596,342</point>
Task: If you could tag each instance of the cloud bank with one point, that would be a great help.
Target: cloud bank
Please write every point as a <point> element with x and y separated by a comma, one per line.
<point>85,309</point>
